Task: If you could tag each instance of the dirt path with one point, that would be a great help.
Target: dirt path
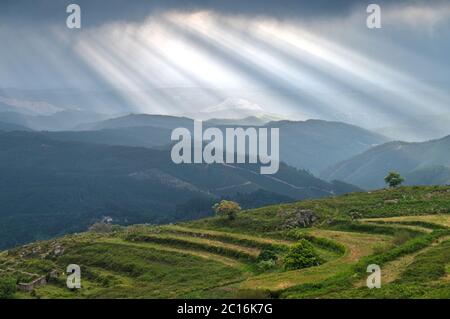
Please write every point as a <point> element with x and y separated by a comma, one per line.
<point>282,181</point>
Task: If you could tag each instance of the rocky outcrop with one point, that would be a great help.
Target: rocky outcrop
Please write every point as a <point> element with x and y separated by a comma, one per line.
<point>300,218</point>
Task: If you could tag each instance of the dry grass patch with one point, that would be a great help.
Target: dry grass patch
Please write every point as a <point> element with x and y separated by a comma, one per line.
<point>440,219</point>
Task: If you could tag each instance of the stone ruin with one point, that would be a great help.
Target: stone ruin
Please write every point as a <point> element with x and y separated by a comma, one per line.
<point>29,286</point>
<point>40,281</point>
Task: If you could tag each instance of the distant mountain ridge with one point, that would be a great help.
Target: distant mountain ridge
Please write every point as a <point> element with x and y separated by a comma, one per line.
<point>431,127</point>
<point>234,109</point>
<point>49,187</point>
<point>425,163</point>
<point>246,121</point>
<point>12,127</point>
<point>317,144</point>
<point>311,144</point>
<point>137,120</point>
<point>64,120</point>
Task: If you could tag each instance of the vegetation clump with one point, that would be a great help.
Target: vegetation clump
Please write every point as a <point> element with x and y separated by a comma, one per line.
<point>267,259</point>
<point>401,237</point>
<point>267,255</point>
<point>227,208</point>
<point>7,287</point>
<point>301,255</point>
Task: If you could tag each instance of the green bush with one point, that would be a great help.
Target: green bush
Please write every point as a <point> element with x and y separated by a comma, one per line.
<point>301,255</point>
<point>266,255</point>
<point>7,287</point>
<point>266,264</point>
<point>322,242</point>
<point>401,237</point>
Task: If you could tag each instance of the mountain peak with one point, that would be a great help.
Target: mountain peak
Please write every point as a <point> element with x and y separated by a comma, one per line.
<point>235,104</point>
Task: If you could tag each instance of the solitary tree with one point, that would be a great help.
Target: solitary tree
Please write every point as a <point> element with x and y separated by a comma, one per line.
<point>393,179</point>
<point>227,208</point>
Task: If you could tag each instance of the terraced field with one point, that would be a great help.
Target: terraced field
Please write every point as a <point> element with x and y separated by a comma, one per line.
<point>221,258</point>
<point>438,219</point>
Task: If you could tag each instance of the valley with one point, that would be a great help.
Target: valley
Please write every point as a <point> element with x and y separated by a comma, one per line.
<point>71,185</point>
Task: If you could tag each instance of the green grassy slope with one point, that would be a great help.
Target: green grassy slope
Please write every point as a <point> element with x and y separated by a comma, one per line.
<point>405,231</point>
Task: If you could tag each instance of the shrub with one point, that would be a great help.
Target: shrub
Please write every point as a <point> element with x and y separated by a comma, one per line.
<point>7,287</point>
<point>324,243</point>
<point>266,264</point>
<point>301,255</point>
<point>266,255</point>
<point>401,237</point>
<point>227,208</point>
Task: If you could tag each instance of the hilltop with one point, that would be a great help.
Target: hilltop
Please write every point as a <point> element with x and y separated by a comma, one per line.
<point>404,230</point>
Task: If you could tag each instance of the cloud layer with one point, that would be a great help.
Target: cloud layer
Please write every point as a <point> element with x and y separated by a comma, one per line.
<point>290,57</point>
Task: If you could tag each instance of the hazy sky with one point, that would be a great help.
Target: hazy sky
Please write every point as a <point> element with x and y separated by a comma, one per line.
<point>309,58</point>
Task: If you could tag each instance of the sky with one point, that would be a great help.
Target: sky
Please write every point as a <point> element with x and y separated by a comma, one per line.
<point>298,59</point>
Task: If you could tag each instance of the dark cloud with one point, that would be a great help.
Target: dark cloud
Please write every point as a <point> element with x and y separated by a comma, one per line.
<point>96,12</point>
